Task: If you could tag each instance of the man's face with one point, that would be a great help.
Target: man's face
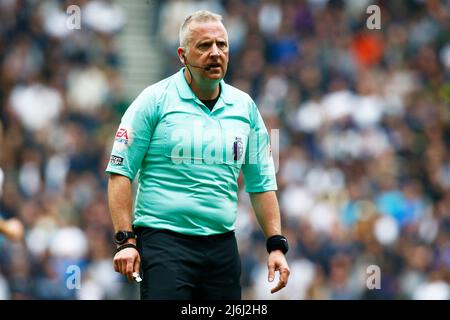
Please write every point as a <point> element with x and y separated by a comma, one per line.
<point>208,47</point>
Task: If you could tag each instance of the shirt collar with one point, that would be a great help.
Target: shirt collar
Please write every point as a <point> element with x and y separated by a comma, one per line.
<point>185,91</point>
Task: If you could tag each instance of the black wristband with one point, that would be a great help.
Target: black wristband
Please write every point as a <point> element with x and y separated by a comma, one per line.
<point>126,245</point>
<point>277,242</point>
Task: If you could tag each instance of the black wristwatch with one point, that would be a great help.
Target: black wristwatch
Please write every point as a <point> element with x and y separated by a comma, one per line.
<point>122,236</point>
<point>277,242</point>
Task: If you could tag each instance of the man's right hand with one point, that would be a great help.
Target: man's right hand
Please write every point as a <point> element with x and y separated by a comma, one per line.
<point>127,261</point>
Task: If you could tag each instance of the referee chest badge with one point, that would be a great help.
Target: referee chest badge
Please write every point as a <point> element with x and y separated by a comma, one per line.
<point>238,149</point>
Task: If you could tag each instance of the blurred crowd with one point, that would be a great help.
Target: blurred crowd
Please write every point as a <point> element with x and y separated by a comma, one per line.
<point>61,99</point>
<point>362,157</point>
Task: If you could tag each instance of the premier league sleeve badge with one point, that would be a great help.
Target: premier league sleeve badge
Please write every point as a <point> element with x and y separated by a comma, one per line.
<point>238,148</point>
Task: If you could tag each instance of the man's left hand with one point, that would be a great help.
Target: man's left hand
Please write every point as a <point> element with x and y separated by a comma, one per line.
<point>277,262</point>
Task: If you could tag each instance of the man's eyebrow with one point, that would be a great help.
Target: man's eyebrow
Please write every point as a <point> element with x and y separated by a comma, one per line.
<point>206,41</point>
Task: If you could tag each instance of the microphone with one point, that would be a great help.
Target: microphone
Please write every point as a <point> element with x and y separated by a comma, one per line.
<point>207,68</point>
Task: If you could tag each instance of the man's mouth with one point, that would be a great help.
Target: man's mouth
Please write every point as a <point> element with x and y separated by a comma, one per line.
<point>213,65</point>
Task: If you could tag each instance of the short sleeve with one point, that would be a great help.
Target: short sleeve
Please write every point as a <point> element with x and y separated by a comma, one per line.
<point>258,169</point>
<point>132,138</point>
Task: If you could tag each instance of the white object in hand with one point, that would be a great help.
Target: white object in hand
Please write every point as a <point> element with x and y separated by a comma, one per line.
<point>136,277</point>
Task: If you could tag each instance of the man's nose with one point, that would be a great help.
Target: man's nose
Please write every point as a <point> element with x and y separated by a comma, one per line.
<point>214,50</point>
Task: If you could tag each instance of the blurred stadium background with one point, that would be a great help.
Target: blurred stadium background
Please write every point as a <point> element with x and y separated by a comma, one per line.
<point>364,119</point>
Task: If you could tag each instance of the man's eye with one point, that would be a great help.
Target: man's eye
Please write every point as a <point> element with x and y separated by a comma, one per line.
<point>203,46</point>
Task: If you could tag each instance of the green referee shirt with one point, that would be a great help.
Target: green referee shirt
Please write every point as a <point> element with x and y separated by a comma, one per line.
<point>189,157</point>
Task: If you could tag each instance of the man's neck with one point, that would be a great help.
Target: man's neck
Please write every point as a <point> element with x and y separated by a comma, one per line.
<point>207,90</point>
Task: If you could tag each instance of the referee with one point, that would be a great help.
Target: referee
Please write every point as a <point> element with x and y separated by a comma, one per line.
<point>189,136</point>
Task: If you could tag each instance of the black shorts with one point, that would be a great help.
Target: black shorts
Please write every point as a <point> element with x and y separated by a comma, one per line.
<point>181,267</point>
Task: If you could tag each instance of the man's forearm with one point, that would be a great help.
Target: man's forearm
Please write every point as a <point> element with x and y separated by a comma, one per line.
<point>120,202</point>
<point>265,205</point>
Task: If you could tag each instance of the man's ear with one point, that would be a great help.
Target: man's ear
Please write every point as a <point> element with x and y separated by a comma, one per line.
<point>181,55</point>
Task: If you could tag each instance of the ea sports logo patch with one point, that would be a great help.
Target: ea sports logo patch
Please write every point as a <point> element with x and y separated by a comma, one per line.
<point>238,148</point>
<point>123,138</point>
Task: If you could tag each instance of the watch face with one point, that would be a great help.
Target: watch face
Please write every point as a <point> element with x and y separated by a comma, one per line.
<point>120,236</point>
